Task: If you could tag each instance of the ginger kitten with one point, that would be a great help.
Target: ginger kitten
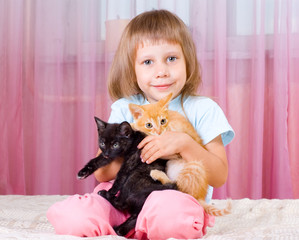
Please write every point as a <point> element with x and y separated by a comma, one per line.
<point>190,177</point>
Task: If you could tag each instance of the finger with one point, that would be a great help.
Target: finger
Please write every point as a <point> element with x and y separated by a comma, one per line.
<point>154,157</point>
<point>148,153</point>
<point>144,142</point>
<point>148,147</point>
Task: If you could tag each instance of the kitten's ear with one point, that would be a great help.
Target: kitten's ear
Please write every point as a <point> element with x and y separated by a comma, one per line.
<point>165,101</point>
<point>136,110</point>
<point>125,129</point>
<point>101,124</point>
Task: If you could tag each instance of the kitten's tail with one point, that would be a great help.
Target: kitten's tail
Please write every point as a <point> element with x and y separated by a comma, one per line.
<point>214,211</point>
<point>190,184</point>
<point>193,180</point>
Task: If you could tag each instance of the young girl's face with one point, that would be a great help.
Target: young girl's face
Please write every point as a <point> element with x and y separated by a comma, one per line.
<point>160,69</point>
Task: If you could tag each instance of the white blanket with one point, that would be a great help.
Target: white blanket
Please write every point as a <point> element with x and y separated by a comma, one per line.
<point>24,217</point>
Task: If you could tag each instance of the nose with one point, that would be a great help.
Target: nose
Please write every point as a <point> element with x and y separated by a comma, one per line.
<point>162,70</point>
<point>158,131</point>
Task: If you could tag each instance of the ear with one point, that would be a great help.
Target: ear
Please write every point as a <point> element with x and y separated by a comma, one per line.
<point>100,124</point>
<point>125,129</point>
<point>165,101</point>
<point>136,110</point>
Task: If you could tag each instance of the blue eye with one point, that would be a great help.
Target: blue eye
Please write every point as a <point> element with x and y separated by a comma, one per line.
<point>147,62</point>
<point>171,59</point>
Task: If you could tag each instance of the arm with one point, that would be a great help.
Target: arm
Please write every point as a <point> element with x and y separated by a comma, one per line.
<point>93,165</point>
<point>108,172</point>
<point>213,157</point>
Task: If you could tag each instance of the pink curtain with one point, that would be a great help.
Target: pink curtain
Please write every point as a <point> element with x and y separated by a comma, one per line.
<point>250,66</point>
<point>54,59</point>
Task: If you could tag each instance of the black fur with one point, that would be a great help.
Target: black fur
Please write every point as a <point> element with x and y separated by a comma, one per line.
<point>133,182</point>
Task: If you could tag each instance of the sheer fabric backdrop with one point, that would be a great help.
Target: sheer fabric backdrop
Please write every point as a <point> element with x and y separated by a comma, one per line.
<point>54,60</point>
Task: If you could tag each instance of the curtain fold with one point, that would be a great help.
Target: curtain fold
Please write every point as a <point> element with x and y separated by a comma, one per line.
<point>281,183</point>
<point>54,60</point>
<point>11,101</point>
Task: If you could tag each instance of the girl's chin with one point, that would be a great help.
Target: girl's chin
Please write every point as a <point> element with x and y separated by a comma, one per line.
<point>158,96</point>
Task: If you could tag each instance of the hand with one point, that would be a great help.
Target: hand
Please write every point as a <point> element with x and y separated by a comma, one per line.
<point>161,146</point>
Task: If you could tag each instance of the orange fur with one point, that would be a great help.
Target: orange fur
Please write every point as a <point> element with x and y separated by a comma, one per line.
<point>191,178</point>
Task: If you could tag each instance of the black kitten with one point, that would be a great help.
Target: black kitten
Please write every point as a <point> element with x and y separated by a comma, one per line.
<point>133,182</point>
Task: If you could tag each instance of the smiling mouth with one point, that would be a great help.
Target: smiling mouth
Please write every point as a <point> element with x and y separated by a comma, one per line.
<point>162,87</point>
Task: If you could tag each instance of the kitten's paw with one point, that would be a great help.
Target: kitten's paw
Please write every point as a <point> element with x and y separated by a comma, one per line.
<point>84,173</point>
<point>155,174</point>
<point>120,230</point>
<point>104,193</point>
<point>161,176</point>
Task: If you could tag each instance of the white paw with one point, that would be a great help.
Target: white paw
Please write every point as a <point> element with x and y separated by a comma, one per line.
<point>154,174</point>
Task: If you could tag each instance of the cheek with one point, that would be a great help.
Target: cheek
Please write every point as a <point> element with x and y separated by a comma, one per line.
<point>142,81</point>
<point>143,76</point>
<point>182,76</point>
<point>141,85</point>
<point>139,73</point>
<point>148,131</point>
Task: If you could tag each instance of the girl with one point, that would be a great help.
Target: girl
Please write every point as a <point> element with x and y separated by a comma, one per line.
<point>156,56</point>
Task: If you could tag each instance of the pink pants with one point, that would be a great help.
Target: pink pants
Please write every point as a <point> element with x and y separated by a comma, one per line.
<point>165,214</point>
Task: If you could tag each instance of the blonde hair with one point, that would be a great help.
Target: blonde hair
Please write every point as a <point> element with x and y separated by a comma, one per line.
<point>154,26</point>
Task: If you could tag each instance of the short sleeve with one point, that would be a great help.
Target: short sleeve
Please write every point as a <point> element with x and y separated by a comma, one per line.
<point>120,112</point>
<point>213,122</point>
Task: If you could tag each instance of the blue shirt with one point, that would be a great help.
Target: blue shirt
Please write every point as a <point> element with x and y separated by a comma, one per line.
<point>204,114</point>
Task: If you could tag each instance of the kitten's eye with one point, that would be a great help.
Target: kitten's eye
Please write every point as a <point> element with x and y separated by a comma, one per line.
<point>148,125</point>
<point>163,121</point>
<point>102,144</point>
<point>116,145</point>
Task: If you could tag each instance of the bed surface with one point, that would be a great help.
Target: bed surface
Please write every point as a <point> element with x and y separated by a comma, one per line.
<point>24,217</point>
